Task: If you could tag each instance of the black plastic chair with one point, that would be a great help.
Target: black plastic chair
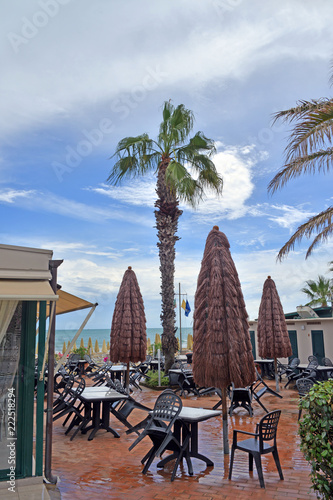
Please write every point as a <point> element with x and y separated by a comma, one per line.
<point>186,381</point>
<point>303,386</point>
<point>259,389</point>
<point>288,369</point>
<point>312,358</point>
<point>160,430</point>
<point>72,363</point>
<point>326,362</point>
<point>123,408</point>
<point>262,442</point>
<point>240,398</point>
<point>309,372</point>
<point>93,367</point>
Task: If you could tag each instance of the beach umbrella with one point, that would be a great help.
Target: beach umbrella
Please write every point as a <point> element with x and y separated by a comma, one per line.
<point>64,348</point>
<point>189,342</point>
<point>272,333</point>
<point>222,350</point>
<point>96,346</point>
<point>104,349</point>
<point>108,345</point>
<point>128,339</point>
<point>89,345</point>
<point>157,338</point>
<point>82,343</point>
<point>74,347</point>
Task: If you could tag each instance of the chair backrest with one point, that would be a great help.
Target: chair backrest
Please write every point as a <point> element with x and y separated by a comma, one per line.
<point>326,362</point>
<point>294,362</point>
<point>312,358</point>
<point>312,364</point>
<point>304,385</point>
<point>268,426</point>
<point>78,387</point>
<point>167,407</point>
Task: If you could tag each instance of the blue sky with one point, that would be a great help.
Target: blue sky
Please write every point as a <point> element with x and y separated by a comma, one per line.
<point>78,76</point>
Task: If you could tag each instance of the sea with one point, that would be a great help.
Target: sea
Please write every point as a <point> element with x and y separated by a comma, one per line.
<point>62,336</point>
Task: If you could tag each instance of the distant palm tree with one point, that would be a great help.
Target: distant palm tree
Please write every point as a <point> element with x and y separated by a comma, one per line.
<point>309,151</point>
<point>170,157</point>
<point>319,291</point>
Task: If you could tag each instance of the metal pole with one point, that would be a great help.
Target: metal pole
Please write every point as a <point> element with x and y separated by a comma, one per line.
<point>54,264</point>
<point>180,323</point>
<point>159,366</point>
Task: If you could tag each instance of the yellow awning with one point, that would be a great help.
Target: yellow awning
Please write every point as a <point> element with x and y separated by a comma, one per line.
<point>68,303</point>
<point>26,290</point>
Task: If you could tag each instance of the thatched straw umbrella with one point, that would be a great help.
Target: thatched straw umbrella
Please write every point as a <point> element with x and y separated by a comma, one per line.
<point>128,340</point>
<point>108,345</point>
<point>273,336</point>
<point>82,343</point>
<point>96,346</point>
<point>222,350</point>
<point>64,348</point>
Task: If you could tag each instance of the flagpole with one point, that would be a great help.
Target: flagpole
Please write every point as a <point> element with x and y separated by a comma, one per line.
<point>180,323</point>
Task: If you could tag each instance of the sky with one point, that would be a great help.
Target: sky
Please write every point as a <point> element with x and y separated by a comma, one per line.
<point>78,76</point>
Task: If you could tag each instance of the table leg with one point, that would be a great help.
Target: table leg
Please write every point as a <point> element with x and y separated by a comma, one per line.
<point>193,426</point>
<point>106,419</point>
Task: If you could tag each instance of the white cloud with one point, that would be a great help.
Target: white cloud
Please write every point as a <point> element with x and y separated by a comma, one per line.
<point>49,202</point>
<point>43,85</point>
<point>138,192</point>
<point>291,216</point>
<point>14,195</point>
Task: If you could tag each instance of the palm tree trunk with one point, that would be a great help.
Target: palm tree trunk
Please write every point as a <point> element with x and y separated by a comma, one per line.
<point>167,217</point>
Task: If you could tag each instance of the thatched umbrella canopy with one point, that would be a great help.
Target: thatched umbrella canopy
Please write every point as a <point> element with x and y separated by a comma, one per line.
<point>273,336</point>
<point>222,350</point>
<point>128,340</point>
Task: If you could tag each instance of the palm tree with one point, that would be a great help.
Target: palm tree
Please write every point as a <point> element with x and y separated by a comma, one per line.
<point>308,151</point>
<point>319,291</point>
<point>172,157</point>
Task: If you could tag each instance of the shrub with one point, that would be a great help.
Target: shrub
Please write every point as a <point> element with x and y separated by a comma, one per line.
<point>153,379</point>
<point>316,431</point>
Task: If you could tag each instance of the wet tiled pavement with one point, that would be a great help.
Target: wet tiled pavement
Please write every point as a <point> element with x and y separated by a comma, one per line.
<point>105,469</point>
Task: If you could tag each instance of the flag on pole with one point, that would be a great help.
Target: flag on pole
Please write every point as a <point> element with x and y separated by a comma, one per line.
<point>187,309</point>
<point>184,305</point>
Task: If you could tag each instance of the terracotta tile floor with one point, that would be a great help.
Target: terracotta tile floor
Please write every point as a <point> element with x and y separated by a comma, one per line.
<point>105,469</point>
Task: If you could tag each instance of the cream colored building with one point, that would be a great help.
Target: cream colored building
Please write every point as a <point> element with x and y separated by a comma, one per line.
<point>311,334</point>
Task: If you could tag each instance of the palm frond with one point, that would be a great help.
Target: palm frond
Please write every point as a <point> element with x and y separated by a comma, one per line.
<point>300,110</point>
<point>311,132</point>
<point>317,161</point>
<point>176,125</point>
<point>198,143</point>
<point>180,181</point>
<point>136,156</point>
<point>321,222</point>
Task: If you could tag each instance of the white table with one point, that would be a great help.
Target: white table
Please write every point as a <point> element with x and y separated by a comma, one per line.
<point>95,396</point>
<point>321,370</point>
<point>191,417</point>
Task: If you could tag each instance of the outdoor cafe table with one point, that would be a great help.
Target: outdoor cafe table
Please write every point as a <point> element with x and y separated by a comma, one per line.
<point>95,397</point>
<point>191,417</point>
<point>119,371</point>
<point>266,366</point>
<point>322,371</point>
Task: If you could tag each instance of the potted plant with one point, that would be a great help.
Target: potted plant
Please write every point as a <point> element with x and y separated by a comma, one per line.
<point>81,351</point>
